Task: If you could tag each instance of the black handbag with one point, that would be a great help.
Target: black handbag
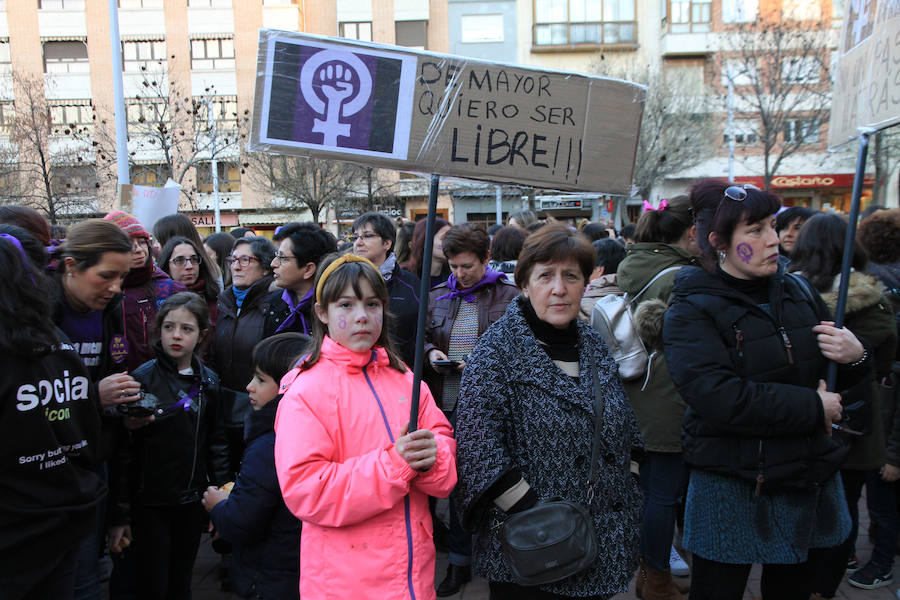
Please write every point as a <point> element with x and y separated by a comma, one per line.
<point>555,539</point>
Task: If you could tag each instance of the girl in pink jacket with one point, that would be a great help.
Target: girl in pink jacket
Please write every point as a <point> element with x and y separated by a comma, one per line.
<point>347,466</point>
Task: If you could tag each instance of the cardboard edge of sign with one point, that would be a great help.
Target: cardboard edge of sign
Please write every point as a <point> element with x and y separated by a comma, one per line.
<point>622,127</point>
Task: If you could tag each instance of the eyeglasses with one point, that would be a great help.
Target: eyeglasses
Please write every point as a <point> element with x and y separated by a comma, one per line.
<point>179,261</point>
<point>738,193</point>
<point>365,236</point>
<point>282,257</point>
<point>244,261</point>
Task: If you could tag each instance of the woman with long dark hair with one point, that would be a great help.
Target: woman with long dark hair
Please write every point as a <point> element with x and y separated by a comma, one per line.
<point>439,270</point>
<point>817,256</point>
<point>748,348</point>
<point>48,477</point>
<point>665,241</point>
<point>186,262</point>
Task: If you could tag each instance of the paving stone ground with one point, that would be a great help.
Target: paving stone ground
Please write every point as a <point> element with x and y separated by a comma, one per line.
<point>207,587</point>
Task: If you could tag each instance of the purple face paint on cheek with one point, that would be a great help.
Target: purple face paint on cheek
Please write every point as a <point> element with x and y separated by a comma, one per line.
<point>744,252</point>
<point>342,323</point>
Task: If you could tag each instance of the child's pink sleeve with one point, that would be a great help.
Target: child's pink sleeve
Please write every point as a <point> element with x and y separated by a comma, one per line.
<point>318,489</point>
<point>439,480</point>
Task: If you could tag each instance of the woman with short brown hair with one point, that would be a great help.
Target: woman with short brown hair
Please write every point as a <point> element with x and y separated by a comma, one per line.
<point>526,419</point>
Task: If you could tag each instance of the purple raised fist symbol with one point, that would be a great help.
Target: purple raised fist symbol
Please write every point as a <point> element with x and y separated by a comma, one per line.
<point>336,85</point>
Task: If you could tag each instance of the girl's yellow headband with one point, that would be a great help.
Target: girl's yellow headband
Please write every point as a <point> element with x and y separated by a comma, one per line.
<point>347,258</point>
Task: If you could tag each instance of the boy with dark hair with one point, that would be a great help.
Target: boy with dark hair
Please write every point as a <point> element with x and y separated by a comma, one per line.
<point>301,247</point>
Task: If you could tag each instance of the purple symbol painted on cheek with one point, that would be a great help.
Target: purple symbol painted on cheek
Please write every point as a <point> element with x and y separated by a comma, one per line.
<point>342,323</point>
<point>745,252</point>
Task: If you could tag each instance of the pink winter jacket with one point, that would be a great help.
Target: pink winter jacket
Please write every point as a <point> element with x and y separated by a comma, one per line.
<point>366,524</point>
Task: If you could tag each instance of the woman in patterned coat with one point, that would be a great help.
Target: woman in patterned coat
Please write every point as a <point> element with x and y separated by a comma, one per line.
<point>525,423</point>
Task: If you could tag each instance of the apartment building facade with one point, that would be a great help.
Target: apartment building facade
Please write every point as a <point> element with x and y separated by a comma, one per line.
<point>690,42</point>
<point>204,49</point>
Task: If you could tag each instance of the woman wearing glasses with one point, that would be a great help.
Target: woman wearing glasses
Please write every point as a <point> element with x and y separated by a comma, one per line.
<point>145,289</point>
<point>183,260</point>
<point>747,350</point>
<point>242,315</point>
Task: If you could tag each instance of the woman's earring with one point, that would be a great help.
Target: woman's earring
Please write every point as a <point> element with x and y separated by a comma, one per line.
<point>68,274</point>
<point>721,257</point>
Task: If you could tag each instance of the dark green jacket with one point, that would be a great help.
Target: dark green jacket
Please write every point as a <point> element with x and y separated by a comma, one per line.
<point>658,407</point>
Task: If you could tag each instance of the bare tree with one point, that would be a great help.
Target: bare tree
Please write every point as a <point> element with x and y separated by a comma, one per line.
<point>300,183</point>
<point>46,164</point>
<point>779,71</point>
<point>171,129</point>
<point>677,129</point>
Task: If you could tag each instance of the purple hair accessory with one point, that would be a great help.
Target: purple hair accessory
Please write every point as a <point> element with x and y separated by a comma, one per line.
<point>15,242</point>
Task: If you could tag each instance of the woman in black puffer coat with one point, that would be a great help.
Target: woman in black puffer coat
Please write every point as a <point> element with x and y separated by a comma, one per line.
<point>746,348</point>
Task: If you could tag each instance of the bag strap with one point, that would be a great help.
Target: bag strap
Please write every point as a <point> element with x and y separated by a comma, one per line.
<point>806,288</point>
<point>652,281</point>
<point>599,408</point>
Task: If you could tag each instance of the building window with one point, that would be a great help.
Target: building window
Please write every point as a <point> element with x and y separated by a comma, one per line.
<point>412,34</point>
<point>744,132</point>
<point>802,10</point>
<point>144,111</point>
<point>225,112</point>
<point>212,54</point>
<point>739,72</point>
<point>7,115</point>
<point>574,22</point>
<point>74,181</point>
<point>687,16</point>
<point>142,55</point>
<point>800,70</point>
<point>229,177</point>
<point>65,57</point>
<point>67,118</point>
<point>61,4</point>
<point>803,131</point>
<point>5,58</point>
<point>356,30</point>
<point>739,11</point>
<point>140,3</point>
<point>482,29</point>
<point>209,3</point>
<point>837,9</point>
<point>152,175</point>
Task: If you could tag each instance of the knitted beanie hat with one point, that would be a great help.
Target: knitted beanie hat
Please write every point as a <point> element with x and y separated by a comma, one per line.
<point>127,223</point>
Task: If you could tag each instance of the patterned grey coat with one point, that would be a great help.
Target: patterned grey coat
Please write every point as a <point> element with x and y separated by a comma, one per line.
<point>516,408</point>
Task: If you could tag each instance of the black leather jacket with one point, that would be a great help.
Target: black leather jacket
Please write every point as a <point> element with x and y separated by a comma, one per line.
<point>173,459</point>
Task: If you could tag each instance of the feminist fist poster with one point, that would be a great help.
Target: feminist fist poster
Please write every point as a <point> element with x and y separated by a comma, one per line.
<point>328,97</point>
<point>391,107</point>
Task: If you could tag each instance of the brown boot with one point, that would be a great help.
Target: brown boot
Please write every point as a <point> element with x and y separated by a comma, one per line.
<point>659,585</point>
<point>682,585</point>
<point>640,579</point>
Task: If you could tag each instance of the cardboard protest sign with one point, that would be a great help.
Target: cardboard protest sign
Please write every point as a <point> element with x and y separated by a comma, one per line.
<point>867,86</point>
<point>401,109</point>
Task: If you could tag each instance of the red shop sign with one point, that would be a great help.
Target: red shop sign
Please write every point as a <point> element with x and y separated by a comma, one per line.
<point>782,182</point>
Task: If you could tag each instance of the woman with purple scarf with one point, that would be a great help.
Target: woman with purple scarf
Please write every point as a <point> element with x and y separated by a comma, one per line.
<point>459,311</point>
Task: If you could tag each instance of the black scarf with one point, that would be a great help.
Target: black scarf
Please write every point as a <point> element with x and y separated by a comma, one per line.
<point>560,344</point>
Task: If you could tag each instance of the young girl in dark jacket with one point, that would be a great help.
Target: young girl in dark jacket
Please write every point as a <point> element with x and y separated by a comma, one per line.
<point>174,457</point>
<point>252,516</point>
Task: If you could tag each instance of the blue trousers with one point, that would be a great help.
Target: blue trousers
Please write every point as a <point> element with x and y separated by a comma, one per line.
<point>663,481</point>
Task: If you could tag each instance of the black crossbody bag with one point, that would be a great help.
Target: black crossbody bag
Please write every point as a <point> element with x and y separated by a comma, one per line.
<point>555,539</point>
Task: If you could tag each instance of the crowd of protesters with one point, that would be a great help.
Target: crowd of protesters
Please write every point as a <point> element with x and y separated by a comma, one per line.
<point>159,387</point>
